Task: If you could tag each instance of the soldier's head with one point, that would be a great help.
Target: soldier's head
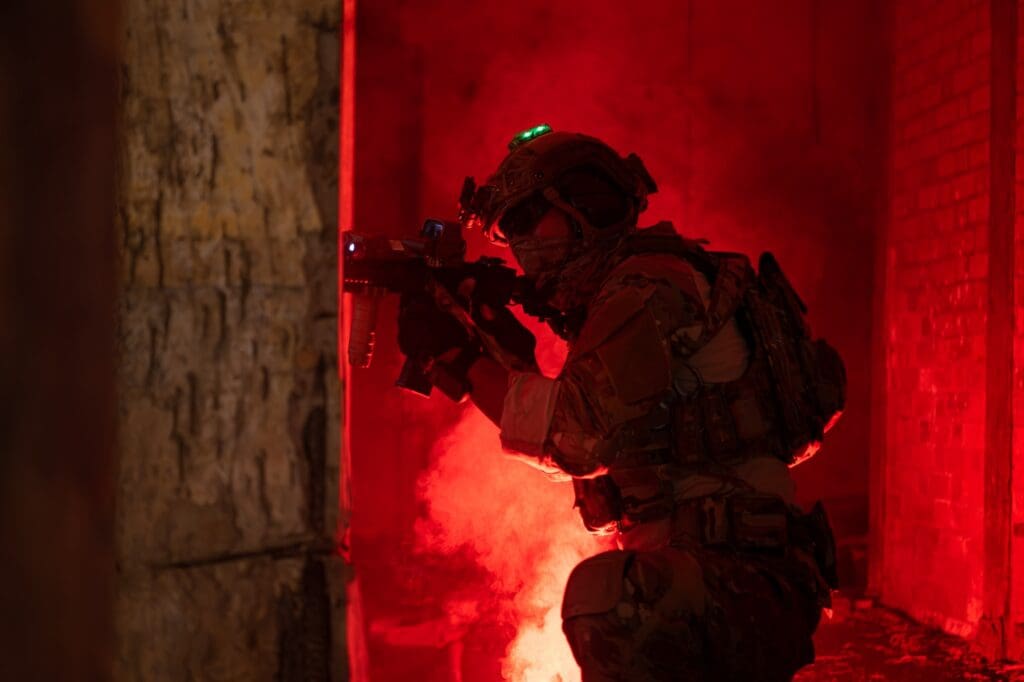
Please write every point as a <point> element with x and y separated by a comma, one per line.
<point>556,197</point>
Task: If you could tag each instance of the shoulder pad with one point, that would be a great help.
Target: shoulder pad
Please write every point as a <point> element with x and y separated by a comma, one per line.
<point>637,359</point>
<point>609,316</point>
<point>665,267</point>
<point>627,291</point>
<point>624,334</point>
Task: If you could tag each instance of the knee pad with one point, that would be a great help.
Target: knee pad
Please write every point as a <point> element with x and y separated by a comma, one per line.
<point>632,615</point>
<point>596,584</point>
<point>669,580</point>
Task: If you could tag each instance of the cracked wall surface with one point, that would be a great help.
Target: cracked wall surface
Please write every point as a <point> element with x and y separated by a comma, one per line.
<point>227,506</point>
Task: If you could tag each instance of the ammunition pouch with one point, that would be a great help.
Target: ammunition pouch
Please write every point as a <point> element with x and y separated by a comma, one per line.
<point>743,522</point>
<point>814,532</point>
<point>727,423</point>
<point>760,524</point>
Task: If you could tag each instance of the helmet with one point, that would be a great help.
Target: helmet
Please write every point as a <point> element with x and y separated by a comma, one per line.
<point>601,192</point>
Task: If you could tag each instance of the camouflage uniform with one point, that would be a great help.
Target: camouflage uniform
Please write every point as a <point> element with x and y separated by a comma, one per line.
<point>689,613</point>
<point>673,603</point>
<point>675,423</point>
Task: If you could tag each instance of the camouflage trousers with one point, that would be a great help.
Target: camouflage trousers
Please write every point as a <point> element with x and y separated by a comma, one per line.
<point>682,613</point>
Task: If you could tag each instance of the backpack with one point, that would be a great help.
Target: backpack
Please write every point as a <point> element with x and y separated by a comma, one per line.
<point>807,376</point>
<point>795,387</point>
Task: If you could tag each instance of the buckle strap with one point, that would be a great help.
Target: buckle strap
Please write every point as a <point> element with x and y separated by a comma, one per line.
<point>745,522</point>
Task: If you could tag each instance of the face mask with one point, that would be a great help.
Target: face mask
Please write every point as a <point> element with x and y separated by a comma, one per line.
<point>541,257</point>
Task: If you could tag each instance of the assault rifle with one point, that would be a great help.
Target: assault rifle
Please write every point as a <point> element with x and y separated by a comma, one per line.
<point>433,263</point>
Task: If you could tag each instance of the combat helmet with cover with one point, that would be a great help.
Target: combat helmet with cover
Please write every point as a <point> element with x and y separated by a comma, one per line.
<point>601,191</point>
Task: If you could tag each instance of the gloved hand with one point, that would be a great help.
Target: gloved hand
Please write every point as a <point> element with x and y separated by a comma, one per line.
<point>500,323</point>
<point>424,331</point>
<point>443,351</point>
<point>494,319</point>
<point>439,349</point>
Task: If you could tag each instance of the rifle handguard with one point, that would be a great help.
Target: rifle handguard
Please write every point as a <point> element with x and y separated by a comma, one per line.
<point>361,331</point>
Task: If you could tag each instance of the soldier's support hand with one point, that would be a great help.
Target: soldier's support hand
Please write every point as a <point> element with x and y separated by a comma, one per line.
<point>437,343</point>
<point>500,323</point>
<point>425,333</point>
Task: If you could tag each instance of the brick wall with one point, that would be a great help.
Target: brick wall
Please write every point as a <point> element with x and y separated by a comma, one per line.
<point>935,312</point>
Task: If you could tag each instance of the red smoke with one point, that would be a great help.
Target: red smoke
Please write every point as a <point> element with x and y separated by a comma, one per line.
<point>751,116</point>
<point>519,526</point>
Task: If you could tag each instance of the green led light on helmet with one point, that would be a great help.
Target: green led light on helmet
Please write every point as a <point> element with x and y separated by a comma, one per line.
<point>529,134</point>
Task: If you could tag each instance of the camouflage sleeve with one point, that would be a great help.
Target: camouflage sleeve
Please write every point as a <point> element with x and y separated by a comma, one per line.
<point>619,368</point>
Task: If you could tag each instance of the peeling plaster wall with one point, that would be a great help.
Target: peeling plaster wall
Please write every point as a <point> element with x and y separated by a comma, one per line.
<point>229,398</point>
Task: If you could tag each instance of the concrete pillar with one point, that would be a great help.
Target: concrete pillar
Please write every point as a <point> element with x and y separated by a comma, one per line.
<point>228,492</point>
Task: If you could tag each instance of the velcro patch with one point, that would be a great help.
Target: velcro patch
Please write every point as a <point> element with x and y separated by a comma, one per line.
<point>637,361</point>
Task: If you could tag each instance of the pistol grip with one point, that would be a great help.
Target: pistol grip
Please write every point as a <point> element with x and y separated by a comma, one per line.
<point>413,378</point>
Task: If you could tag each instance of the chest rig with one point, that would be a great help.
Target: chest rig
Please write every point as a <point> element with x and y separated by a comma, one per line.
<point>790,394</point>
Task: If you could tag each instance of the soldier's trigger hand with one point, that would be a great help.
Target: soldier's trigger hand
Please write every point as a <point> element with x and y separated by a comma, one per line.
<point>425,331</point>
<point>501,324</point>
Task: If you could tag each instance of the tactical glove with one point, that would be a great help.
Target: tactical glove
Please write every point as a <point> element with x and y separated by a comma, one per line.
<point>442,350</point>
<point>437,345</point>
<point>424,331</point>
<point>502,325</point>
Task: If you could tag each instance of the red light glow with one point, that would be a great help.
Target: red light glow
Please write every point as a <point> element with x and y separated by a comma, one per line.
<point>739,157</point>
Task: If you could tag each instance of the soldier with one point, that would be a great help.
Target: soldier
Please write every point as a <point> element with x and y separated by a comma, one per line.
<point>691,386</point>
